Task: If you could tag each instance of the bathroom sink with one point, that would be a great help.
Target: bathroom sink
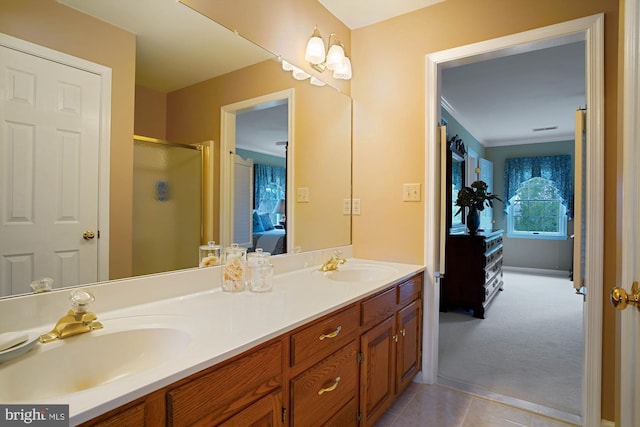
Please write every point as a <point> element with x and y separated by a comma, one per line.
<point>361,273</point>
<point>88,360</point>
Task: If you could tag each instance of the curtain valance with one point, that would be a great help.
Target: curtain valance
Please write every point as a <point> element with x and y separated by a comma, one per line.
<point>554,168</point>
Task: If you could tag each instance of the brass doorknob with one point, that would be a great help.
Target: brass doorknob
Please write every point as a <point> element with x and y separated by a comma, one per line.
<point>620,298</point>
<point>88,235</point>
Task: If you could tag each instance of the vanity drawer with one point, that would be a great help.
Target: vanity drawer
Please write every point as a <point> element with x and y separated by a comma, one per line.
<point>324,336</point>
<point>409,290</point>
<point>321,391</point>
<point>226,389</point>
<point>378,307</point>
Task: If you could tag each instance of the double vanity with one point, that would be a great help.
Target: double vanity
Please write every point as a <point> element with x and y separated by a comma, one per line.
<point>327,348</point>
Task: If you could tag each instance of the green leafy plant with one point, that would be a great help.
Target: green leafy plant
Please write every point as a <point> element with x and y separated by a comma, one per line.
<point>475,196</point>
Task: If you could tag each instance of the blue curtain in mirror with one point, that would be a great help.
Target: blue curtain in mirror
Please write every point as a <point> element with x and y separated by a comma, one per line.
<point>269,187</point>
<point>558,169</point>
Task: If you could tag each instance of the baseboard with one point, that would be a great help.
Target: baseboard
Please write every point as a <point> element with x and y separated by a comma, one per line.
<point>539,271</point>
<point>606,423</point>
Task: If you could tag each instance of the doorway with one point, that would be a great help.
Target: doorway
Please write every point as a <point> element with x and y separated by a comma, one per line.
<point>274,150</point>
<point>589,29</point>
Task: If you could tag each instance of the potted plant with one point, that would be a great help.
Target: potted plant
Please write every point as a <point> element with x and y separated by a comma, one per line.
<point>475,197</point>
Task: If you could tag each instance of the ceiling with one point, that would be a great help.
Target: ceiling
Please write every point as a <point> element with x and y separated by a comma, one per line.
<point>360,13</point>
<point>499,101</point>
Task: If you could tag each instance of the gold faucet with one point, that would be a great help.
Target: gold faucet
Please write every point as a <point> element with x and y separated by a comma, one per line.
<point>333,263</point>
<point>77,321</point>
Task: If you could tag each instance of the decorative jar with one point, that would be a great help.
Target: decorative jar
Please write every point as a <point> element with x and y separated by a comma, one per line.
<point>233,272</point>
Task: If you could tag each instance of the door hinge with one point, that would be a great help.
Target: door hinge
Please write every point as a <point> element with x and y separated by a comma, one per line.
<point>360,357</point>
<point>98,234</point>
<point>284,414</point>
<point>359,417</point>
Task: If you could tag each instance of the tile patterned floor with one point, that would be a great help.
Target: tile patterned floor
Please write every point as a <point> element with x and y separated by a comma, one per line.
<point>423,405</point>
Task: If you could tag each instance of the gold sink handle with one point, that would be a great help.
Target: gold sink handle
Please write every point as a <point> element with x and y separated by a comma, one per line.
<point>620,298</point>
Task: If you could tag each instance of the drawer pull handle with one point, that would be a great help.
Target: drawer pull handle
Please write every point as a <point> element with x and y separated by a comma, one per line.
<point>331,335</point>
<point>404,332</point>
<point>331,388</point>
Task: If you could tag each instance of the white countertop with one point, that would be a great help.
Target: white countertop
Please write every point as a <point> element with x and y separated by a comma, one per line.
<point>220,325</point>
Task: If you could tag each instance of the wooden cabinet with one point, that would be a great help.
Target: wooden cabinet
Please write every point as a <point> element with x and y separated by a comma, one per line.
<point>324,370</point>
<point>217,394</point>
<point>473,272</point>
<point>343,369</point>
<point>266,412</point>
<point>392,348</point>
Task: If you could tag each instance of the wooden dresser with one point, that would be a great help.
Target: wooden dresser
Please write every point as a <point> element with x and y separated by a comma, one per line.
<point>473,271</point>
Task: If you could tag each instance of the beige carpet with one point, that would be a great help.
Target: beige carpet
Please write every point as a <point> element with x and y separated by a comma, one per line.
<point>530,346</point>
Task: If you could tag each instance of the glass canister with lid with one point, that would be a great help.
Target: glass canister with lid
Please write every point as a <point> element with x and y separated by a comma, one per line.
<point>233,272</point>
<point>259,271</point>
<point>210,254</point>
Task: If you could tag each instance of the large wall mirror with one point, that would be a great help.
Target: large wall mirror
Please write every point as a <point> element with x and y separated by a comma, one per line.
<point>313,143</point>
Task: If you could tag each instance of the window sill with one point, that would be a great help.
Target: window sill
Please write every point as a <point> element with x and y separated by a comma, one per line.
<point>536,236</point>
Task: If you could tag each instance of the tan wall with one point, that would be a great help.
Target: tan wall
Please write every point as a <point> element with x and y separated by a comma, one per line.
<point>322,128</point>
<point>389,96</point>
<point>150,113</point>
<point>388,91</point>
<point>50,24</point>
<point>283,27</point>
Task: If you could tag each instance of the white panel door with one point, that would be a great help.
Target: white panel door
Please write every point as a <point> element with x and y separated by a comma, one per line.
<point>628,335</point>
<point>242,201</point>
<point>49,145</point>
<point>486,175</point>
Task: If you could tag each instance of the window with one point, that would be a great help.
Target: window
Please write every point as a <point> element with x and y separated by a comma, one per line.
<point>269,188</point>
<point>538,195</point>
<point>537,211</point>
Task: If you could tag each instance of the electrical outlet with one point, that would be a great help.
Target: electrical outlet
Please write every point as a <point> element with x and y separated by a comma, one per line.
<point>411,192</point>
<point>355,207</point>
<point>346,206</point>
<point>302,195</point>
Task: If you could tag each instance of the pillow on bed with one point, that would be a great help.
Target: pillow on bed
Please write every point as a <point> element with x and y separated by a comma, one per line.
<point>266,222</point>
<point>258,227</point>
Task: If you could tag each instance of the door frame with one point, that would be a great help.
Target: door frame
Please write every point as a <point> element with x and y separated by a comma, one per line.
<point>228,146</point>
<point>591,30</point>
<point>628,330</point>
<point>104,142</point>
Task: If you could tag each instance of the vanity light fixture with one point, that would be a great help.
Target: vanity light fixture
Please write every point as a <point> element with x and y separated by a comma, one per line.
<point>299,74</point>
<point>334,60</point>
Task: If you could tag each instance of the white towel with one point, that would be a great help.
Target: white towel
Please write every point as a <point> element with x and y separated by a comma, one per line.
<point>12,339</point>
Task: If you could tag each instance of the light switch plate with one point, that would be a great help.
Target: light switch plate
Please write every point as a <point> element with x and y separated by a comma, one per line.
<point>346,206</point>
<point>411,192</point>
<point>355,207</point>
<point>302,195</point>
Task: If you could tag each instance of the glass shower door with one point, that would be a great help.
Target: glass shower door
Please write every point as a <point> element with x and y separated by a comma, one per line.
<point>167,180</point>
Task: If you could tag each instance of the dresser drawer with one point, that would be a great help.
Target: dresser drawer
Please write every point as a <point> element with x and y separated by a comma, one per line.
<point>492,287</point>
<point>378,307</point>
<point>492,269</point>
<point>324,336</point>
<point>409,290</point>
<point>322,390</point>
<point>490,244</point>
<point>493,256</point>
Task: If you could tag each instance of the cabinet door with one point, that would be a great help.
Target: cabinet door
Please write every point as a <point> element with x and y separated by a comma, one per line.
<point>377,372</point>
<point>266,412</point>
<point>409,344</point>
